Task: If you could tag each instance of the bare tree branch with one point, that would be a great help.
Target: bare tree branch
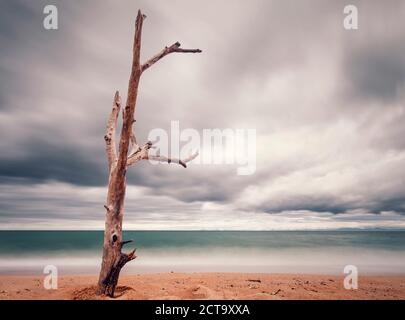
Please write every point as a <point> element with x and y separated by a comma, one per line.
<point>110,134</point>
<point>173,160</point>
<point>143,154</point>
<point>126,131</point>
<point>167,50</point>
<point>135,146</point>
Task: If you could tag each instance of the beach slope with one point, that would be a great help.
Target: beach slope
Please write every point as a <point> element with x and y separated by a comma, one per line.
<point>166,286</point>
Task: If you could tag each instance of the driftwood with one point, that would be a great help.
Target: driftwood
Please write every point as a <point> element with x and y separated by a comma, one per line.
<point>113,257</point>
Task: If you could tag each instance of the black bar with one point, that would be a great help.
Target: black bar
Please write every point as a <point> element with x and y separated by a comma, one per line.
<point>206,309</point>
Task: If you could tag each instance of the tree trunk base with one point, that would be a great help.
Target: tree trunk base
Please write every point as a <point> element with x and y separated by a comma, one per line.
<point>107,285</point>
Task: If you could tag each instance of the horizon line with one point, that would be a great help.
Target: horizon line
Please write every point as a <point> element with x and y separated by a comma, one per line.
<point>221,230</point>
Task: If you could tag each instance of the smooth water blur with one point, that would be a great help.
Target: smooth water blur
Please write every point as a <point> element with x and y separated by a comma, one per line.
<point>239,251</point>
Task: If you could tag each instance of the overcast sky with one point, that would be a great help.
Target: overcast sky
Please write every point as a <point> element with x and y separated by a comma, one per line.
<point>327,104</point>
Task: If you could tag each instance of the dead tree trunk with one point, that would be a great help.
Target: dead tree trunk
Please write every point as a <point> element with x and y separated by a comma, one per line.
<point>113,257</point>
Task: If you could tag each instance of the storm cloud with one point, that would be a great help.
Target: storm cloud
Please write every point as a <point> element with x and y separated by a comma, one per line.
<point>327,104</point>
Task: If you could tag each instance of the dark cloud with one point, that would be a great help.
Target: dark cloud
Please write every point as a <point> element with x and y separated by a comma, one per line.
<point>327,103</point>
<point>373,61</point>
<point>49,162</point>
<point>377,71</point>
<point>332,205</point>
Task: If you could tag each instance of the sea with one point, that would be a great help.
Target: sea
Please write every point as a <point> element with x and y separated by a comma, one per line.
<point>310,252</point>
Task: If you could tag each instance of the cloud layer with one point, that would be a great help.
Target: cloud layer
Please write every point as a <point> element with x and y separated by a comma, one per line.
<point>327,104</point>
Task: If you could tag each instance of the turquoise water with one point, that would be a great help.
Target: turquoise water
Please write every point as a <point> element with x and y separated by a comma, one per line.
<point>239,251</point>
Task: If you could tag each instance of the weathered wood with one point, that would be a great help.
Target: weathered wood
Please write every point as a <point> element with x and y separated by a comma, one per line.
<point>167,50</point>
<point>113,257</point>
<point>110,134</point>
<point>181,162</point>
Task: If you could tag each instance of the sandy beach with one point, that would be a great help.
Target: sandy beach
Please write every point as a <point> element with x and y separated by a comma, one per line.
<point>167,286</point>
